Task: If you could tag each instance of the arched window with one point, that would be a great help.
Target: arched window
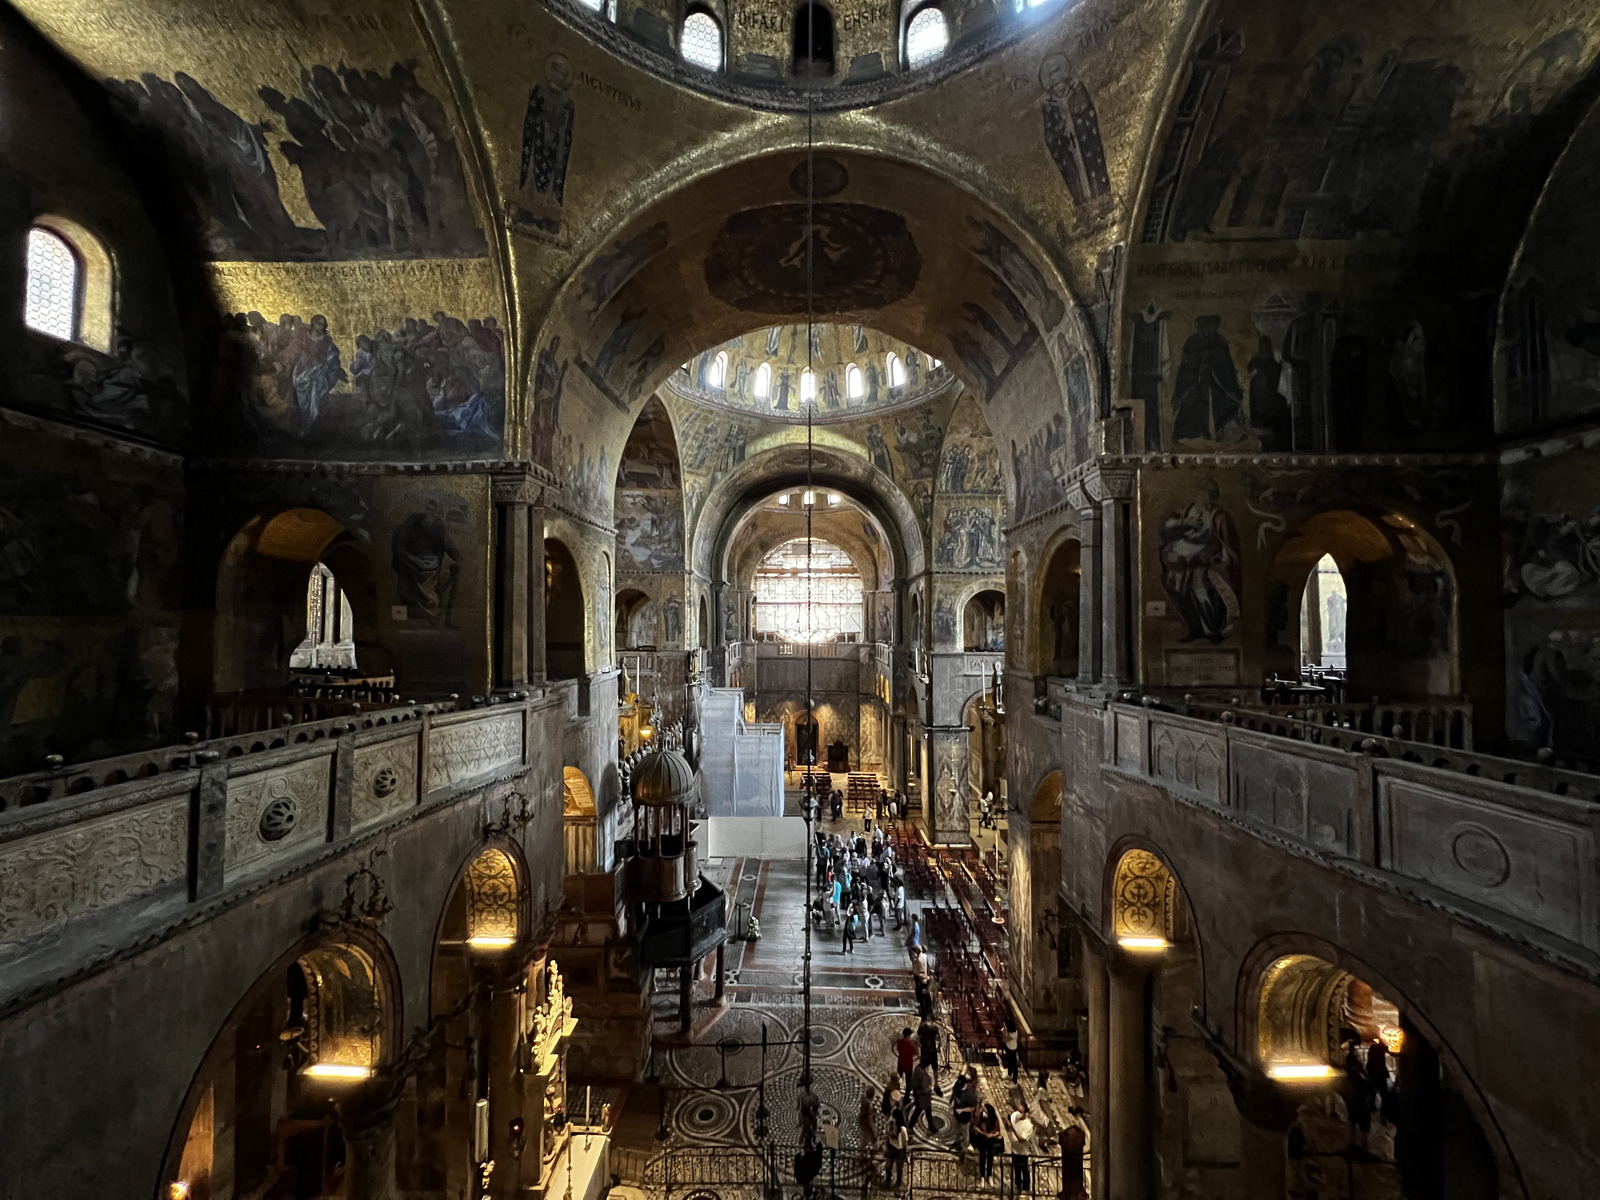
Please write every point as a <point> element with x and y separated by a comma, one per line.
<point>718,377</point>
<point>68,293</point>
<point>1322,618</point>
<point>701,43</point>
<point>808,387</point>
<point>606,8</point>
<point>896,370</point>
<point>53,278</point>
<point>808,592</point>
<point>927,37</point>
<point>330,625</point>
<point>854,387</point>
<point>763,384</point>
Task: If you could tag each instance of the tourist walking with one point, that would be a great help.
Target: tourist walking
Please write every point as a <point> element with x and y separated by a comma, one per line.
<point>1008,1048</point>
<point>1022,1148</point>
<point>986,1139</point>
<point>895,1150</point>
<point>922,1098</point>
<point>963,1107</point>
<point>905,1053</point>
<point>849,943</point>
<point>867,1134</point>
<point>928,1042</point>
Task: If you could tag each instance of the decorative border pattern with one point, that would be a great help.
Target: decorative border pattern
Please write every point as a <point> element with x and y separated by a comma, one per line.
<point>303,784</point>
<point>472,748</point>
<point>397,758</point>
<point>48,880</point>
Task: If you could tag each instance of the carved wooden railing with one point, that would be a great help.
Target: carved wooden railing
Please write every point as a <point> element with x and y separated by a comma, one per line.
<point>158,832</point>
<point>1493,838</point>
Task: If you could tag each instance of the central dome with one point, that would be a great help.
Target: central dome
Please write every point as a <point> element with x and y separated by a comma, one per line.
<point>852,370</point>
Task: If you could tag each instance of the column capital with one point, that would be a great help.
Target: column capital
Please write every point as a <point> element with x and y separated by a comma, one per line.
<point>523,483</point>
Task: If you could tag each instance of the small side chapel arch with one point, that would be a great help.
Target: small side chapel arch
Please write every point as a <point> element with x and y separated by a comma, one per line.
<point>494,900</point>
<point>1143,901</point>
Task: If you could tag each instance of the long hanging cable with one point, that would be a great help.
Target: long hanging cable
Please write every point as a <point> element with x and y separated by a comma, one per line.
<point>808,502</point>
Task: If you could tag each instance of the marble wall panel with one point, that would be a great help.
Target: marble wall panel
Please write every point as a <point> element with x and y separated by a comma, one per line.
<point>384,780</point>
<point>276,811</point>
<point>79,869</point>
<point>472,747</point>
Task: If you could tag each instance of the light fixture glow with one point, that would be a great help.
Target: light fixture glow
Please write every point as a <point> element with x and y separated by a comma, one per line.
<point>178,1189</point>
<point>1300,1071</point>
<point>1142,943</point>
<point>1394,1040</point>
<point>338,1071</point>
<point>490,941</point>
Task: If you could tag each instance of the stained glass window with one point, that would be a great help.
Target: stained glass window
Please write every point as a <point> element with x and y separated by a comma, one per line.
<point>926,37</point>
<point>51,305</point>
<point>701,43</point>
<point>801,598</point>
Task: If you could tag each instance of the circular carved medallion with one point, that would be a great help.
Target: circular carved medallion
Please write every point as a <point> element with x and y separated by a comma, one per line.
<point>278,819</point>
<point>385,782</point>
<point>1480,855</point>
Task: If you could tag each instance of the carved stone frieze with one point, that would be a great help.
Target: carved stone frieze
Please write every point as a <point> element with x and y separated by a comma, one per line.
<point>383,780</point>
<point>81,869</point>
<point>275,811</point>
<point>469,749</point>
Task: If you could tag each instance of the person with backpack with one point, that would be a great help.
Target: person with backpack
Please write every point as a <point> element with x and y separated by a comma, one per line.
<point>963,1107</point>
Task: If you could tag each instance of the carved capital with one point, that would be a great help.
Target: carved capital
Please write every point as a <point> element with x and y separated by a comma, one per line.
<point>1110,483</point>
<point>526,484</point>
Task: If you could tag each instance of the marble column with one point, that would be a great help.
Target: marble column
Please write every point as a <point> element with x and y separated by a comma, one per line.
<point>1088,594</point>
<point>515,582</point>
<point>536,657</point>
<point>1096,986</point>
<point>506,1094</point>
<point>1128,1110</point>
<point>367,1122</point>
<point>1115,549</point>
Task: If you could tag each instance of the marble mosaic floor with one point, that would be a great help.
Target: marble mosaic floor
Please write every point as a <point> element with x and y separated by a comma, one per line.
<point>711,1085</point>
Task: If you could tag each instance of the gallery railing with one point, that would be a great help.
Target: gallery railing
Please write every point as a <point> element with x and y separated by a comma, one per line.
<point>1433,723</point>
<point>768,1172</point>
<point>1506,842</point>
<point>160,832</point>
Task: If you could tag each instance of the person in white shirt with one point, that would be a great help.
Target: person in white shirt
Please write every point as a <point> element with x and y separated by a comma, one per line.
<point>1021,1133</point>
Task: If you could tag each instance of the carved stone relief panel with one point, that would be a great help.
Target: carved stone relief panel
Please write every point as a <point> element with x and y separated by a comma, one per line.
<point>468,749</point>
<point>1310,801</point>
<point>1523,864</point>
<point>80,869</point>
<point>1129,750</point>
<point>276,810</point>
<point>1187,759</point>
<point>384,780</point>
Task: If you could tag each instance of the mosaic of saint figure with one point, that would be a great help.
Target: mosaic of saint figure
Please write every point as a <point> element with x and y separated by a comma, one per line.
<point>1201,567</point>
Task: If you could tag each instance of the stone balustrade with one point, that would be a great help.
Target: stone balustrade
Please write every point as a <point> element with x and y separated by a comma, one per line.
<point>126,847</point>
<point>1432,722</point>
<point>1508,843</point>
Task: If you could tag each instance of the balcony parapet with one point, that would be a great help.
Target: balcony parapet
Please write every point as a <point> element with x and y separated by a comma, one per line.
<point>1505,843</point>
<point>123,859</point>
